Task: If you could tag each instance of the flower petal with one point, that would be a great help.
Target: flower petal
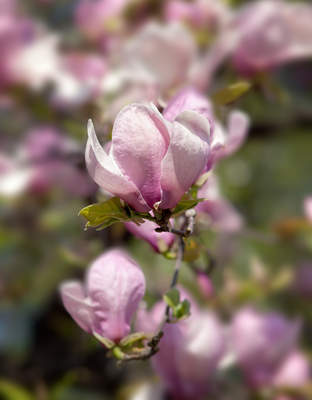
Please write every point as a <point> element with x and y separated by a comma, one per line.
<point>107,175</point>
<point>115,285</point>
<point>186,158</point>
<point>188,99</point>
<point>77,304</point>
<point>140,141</point>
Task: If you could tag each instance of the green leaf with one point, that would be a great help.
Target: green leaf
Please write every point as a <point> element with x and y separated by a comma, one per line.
<point>182,310</point>
<point>11,391</point>
<point>185,204</point>
<point>109,212</point>
<point>231,93</point>
<point>172,298</point>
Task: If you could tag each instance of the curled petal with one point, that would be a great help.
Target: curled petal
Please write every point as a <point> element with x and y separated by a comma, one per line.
<point>188,99</point>
<point>186,158</point>
<point>115,285</point>
<point>140,141</point>
<point>107,175</point>
<point>78,305</point>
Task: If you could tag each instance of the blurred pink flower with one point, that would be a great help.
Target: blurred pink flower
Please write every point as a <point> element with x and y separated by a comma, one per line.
<point>160,241</point>
<point>92,16</point>
<point>200,13</point>
<point>270,33</point>
<point>220,213</point>
<point>224,142</point>
<point>189,350</point>
<point>105,305</point>
<point>261,342</point>
<point>295,371</point>
<point>176,47</point>
<point>308,208</point>
<point>205,285</point>
<point>151,160</point>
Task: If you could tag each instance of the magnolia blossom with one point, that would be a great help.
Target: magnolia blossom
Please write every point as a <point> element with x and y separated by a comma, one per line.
<point>271,32</point>
<point>199,13</point>
<point>138,73</point>
<point>93,16</point>
<point>164,51</point>
<point>189,351</point>
<point>218,211</point>
<point>295,371</point>
<point>16,32</point>
<point>308,208</point>
<point>151,161</point>
<point>43,161</point>
<point>224,141</point>
<point>261,342</point>
<point>106,303</point>
<point>160,241</point>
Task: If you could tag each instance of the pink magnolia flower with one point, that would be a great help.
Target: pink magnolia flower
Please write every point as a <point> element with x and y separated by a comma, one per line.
<point>199,13</point>
<point>295,371</point>
<point>189,351</point>
<point>176,47</point>
<point>151,161</point>
<point>261,342</point>
<point>45,153</point>
<point>91,16</point>
<point>224,142</point>
<point>270,33</point>
<point>220,213</point>
<point>308,208</point>
<point>160,241</point>
<point>106,303</point>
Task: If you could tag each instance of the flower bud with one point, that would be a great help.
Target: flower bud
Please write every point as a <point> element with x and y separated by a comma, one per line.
<point>151,161</point>
<point>106,303</point>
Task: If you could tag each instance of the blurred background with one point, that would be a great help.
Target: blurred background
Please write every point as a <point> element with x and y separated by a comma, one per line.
<point>64,61</point>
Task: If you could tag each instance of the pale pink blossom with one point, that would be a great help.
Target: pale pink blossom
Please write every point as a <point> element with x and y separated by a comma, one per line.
<point>308,207</point>
<point>190,350</point>
<point>205,285</point>
<point>224,140</point>
<point>151,160</point>
<point>92,16</point>
<point>261,342</point>
<point>295,371</point>
<point>270,33</point>
<point>105,304</point>
<point>160,241</point>
<point>166,52</point>
<point>209,14</point>
<point>216,210</point>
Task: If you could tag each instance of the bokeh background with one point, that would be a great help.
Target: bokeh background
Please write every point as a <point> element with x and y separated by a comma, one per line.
<point>63,62</point>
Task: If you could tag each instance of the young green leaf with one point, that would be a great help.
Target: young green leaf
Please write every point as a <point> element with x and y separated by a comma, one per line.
<point>185,204</point>
<point>230,93</point>
<point>104,214</point>
<point>172,298</point>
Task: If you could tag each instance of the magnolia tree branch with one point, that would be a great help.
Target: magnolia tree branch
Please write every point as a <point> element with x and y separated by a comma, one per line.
<point>152,346</point>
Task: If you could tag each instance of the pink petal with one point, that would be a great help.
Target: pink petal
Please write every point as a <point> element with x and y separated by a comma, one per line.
<point>140,141</point>
<point>77,304</point>
<point>147,232</point>
<point>186,157</point>
<point>115,285</point>
<point>107,175</point>
<point>188,99</point>
<point>308,208</point>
